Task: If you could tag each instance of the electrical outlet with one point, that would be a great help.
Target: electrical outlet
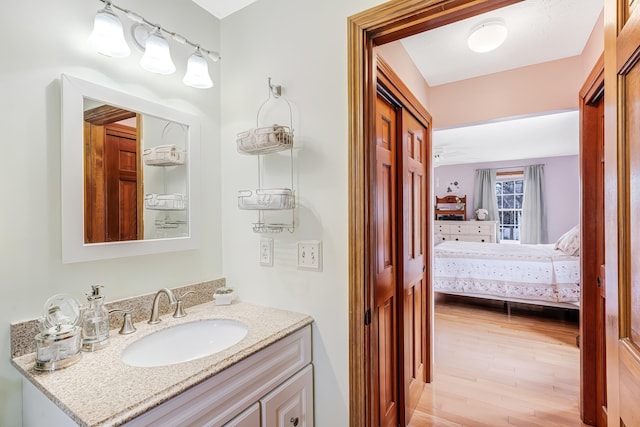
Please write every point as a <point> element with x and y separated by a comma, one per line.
<point>266,252</point>
<point>310,255</point>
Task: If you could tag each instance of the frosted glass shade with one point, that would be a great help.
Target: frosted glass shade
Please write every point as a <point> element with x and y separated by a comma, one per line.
<point>487,36</point>
<point>107,36</point>
<point>157,57</point>
<point>197,74</point>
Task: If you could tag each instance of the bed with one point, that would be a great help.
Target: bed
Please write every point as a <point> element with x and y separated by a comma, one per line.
<point>531,274</point>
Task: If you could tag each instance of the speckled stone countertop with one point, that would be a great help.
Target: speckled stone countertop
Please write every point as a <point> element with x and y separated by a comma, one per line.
<point>100,390</point>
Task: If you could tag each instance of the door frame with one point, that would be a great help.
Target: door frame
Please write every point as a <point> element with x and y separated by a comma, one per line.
<point>382,24</point>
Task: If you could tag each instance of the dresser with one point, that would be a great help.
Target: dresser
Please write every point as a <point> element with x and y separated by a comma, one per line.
<point>465,231</point>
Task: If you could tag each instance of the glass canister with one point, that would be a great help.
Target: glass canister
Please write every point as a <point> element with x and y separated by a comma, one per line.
<point>59,342</point>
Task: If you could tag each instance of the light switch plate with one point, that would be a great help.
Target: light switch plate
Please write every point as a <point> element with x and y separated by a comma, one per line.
<point>310,255</point>
<point>266,252</point>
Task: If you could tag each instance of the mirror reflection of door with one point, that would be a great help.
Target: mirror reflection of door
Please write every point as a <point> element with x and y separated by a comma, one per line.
<point>113,175</point>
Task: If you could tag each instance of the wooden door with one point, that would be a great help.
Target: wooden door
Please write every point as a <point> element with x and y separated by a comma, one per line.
<point>121,169</point>
<point>622,93</point>
<point>593,399</point>
<point>112,176</point>
<point>413,186</point>
<point>385,340</point>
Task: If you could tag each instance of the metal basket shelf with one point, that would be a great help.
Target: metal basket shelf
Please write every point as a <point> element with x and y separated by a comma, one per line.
<point>265,140</point>
<point>266,199</point>
<point>165,202</point>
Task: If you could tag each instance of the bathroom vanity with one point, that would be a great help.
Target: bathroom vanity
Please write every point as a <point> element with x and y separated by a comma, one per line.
<point>266,379</point>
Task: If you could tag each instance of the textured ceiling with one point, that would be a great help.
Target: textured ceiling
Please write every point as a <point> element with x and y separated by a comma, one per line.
<point>538,31</point>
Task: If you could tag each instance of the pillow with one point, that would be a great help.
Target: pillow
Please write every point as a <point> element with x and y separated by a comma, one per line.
<point>569,242</point>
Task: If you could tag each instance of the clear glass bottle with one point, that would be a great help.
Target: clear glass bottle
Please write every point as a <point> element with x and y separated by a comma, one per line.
<point>95,321</point>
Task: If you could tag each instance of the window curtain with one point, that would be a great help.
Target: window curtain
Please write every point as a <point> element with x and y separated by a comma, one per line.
<point>533,225</point>
<point>484,193</point>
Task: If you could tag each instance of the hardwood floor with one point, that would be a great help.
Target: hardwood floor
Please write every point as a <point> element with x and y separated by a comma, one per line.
<point>494,370</point>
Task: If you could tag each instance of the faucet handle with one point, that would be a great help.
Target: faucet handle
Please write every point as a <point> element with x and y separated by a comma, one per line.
<point>179,308</point>
<point>127,325</point>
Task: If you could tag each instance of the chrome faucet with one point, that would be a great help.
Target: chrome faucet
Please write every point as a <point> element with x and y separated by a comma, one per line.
<point>154,309</point>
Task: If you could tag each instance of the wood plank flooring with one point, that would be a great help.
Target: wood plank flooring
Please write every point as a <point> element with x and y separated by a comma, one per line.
<point>494,370</point>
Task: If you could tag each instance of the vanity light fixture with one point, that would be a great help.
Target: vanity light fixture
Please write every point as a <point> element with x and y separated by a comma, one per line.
<point>197,72</point>
<point>487,36</point>
<point>108,38</point>
<point>157,57</point>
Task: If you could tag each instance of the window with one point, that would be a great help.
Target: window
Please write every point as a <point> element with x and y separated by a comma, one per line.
<point>509,192</point>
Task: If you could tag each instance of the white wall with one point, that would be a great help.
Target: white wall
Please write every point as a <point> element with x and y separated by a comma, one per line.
<point>301,44</point>
<point>41,40</point>
<point>562,176</point>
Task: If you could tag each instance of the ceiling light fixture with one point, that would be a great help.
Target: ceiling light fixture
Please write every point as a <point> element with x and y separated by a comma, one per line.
<point>108,38</point>
<point>487,35</point>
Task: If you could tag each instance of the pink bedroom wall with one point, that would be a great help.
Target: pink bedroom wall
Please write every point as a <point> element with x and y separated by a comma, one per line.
<point>531,90</point>
<point>562,185</point>
<point>399,60</point>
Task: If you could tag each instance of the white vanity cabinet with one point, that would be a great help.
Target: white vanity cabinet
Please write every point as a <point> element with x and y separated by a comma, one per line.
<point>272,387</point>
<point>289,405</point>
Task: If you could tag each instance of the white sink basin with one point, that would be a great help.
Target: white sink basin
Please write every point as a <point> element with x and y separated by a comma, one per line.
<point>184,342</point>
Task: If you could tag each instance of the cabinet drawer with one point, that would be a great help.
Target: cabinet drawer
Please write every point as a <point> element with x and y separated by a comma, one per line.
<point>290,404</point>
<point>442,228</point>
<point>249,418</point>
<point>476,229</point>
<point>474,238</point>
<point>456,229</point>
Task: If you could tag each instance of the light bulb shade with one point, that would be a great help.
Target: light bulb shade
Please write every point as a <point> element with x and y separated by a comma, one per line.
<point>157,57</point>
<point>107,36</point>
<point>487,36</point>
<point>197,74</point>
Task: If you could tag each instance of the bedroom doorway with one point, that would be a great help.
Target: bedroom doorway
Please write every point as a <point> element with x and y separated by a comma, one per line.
<point>368,29</point>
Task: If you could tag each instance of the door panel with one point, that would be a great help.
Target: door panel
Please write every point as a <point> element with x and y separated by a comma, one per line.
<point>121,180</point>
<point>414,217</point>
<point>385,326</point>
<point>628,312</point>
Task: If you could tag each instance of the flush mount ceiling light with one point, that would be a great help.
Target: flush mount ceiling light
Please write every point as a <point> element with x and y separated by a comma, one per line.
<point>487,36</point>
<point>108,38</point>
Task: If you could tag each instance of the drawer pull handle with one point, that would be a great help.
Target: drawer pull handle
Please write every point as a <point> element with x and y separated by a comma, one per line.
<point>294,421</point>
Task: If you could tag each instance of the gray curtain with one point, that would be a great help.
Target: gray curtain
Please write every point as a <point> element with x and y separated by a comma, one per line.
<point>533,225</point>
<point>484,193</point>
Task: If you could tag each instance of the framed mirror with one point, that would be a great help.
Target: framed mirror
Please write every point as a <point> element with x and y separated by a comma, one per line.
<point>130,173</point>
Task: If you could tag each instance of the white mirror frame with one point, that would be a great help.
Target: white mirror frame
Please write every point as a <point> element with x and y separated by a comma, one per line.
<point>74,249</point>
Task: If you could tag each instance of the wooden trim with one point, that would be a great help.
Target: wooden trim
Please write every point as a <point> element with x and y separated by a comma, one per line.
<point>593,87</point>
<point>106,114</point>
<point>384,23</point>
<point>509,173</point>
<point>392,82</point>
<point>613,21</point>
<point>140,177</point>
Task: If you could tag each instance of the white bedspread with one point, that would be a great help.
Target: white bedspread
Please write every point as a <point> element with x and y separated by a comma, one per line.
<point>536,272</point>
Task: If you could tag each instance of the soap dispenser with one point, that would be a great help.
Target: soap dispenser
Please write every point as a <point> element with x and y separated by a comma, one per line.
<point>95,321</point>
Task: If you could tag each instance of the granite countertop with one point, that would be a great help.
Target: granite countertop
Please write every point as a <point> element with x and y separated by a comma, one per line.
<point>100,390</point>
